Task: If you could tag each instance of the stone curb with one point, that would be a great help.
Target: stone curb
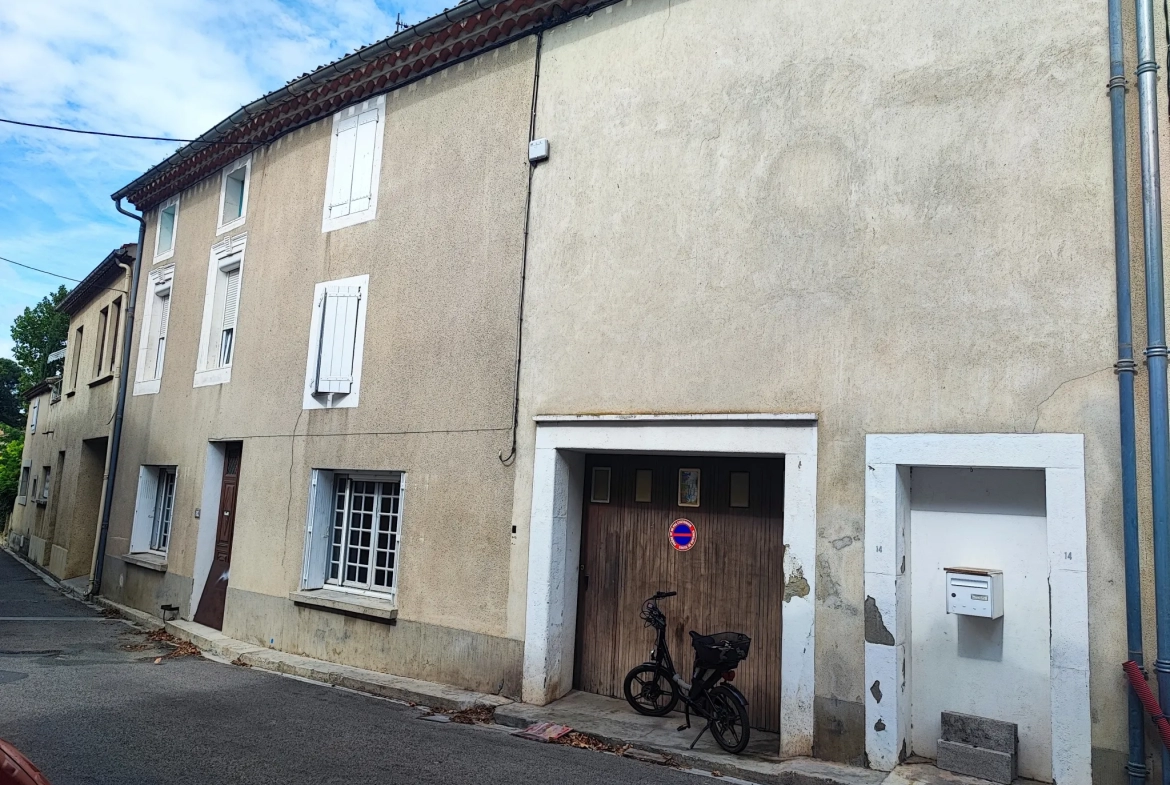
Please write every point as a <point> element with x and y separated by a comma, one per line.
<point>797,771</point>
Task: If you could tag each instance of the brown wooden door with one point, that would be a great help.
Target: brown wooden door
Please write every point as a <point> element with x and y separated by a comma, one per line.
<point>211,604</point>
<point>730,580</point>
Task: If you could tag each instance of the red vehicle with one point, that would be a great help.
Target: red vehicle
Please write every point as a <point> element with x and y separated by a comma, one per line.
<point>15,769</point>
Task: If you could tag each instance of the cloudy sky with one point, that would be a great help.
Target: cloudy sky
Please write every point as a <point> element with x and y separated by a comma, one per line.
<point>169,68</point>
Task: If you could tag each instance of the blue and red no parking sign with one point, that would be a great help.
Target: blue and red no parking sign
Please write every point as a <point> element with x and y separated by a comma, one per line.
<point>683,535</point>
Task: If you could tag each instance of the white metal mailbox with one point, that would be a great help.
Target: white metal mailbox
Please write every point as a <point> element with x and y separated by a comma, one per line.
<point>974,591</point>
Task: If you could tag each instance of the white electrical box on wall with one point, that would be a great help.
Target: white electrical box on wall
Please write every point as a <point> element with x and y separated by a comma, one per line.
<point>974,591</point>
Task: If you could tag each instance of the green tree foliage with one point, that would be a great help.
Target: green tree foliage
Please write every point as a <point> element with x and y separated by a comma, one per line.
<point>37,333</point>
<point>11,405</point>
<point>11,448</point>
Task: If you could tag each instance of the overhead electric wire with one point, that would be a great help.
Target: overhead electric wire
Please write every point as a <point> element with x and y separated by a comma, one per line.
<point>55,275</point>
<point>118,136</point>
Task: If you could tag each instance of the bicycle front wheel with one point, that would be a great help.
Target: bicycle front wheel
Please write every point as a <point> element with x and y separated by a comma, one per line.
<point>729,720</point>
<point>650,690</point>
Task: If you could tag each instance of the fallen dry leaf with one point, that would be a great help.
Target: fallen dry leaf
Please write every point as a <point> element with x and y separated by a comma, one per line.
<point>476,715</point>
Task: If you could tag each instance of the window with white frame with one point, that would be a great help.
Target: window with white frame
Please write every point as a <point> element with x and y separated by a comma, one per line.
<point>233,194</point>
<point>33,414</point>
<point>46,476</point>
<point>355,161</point>
<point>168,224</point>
<point>221,307</point>
<point>333,369</point>
<point>154,509</point>
<point>354,533</point>
<point>22,491</point>
<point>152,342</point>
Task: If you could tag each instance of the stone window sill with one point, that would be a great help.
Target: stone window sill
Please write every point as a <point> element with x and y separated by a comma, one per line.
<point>101,380</point>
<point>351,604</point>
<point>150,561</point>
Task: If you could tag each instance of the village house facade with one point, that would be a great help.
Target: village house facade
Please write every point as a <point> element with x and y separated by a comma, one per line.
<point>434,345</point>
<point>63,468</point>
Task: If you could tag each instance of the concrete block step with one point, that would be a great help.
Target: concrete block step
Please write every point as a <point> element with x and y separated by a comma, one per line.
<point>980,732</point>
<point>975,761</point>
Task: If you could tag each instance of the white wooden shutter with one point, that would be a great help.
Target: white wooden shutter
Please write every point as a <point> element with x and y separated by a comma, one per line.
<point>231,299</point>
<point>339,320</point>
<point>344,147</point>
<point>144,509</point>
<point>164,320</point>
<point>363,167</point>
<point>32,419</point>
<point>318,530</point>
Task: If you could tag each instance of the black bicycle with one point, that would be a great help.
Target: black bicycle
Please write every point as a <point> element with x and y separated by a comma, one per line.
<point>655,688</point>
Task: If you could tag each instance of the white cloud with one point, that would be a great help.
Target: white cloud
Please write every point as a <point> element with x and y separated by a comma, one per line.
<point>132,66</point>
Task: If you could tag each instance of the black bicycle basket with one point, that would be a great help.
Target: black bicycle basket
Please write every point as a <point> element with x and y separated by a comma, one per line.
<point>721,650</point>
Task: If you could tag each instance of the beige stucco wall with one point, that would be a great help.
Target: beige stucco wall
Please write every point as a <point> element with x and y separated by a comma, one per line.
<point>898,220</point>
<point>443,256</point>
<point>60,534</point>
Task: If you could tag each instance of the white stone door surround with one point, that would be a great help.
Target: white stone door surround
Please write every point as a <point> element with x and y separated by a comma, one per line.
<point>555,537</point>
<point>887,519</point>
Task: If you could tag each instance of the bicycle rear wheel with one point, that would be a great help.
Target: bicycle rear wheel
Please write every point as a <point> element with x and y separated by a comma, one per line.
<point>650,690</point>
<point>729,720</point>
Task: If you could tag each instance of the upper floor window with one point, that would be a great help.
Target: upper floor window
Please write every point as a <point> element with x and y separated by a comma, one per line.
<point>22,491</point>
<point>99,363</point>
<point>333,371</point>
<point>233,195</point>
<point>168,222</point>
<point>355,160</point>
<point>78,335</point>
<point>221,306</point>
<point>152,343</point>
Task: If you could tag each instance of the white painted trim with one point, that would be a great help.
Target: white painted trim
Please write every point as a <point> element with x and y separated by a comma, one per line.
<point>1062,456</point>
<point>246,163</point>
<point>555,537</point>
<point>213,376</point>
<point>228,253</point>
<point>310,399</point>
<point>162,277</point>
<point>167,254</point>
<point>565,418</point>
<point>330,224</point>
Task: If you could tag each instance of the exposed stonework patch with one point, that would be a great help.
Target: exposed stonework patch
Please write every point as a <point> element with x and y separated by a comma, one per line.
<point>842,542</point>
<point>796,586</point>
<point>876,691</point>
<point>879,726</point>
<point>875,627</point>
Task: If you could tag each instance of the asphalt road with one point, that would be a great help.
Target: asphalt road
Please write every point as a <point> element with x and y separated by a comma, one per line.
<point>83,697</point>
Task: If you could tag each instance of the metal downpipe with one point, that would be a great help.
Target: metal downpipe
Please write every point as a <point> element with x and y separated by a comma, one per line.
<point>1126,370</point>
<point>120,407</point>
<point>1155,344</point>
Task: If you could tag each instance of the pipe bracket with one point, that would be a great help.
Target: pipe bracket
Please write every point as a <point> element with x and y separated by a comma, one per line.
<point>1161,666</point>
<point>1125,366</point>
<point>1117,81</point>
<point>1146,66</point>
<point>1156,351</point>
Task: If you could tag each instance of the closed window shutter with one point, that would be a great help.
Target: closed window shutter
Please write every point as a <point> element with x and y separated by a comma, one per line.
<point>231,299</point>
<point>36,408</point>
<point>339,319</point>
<point>344,147</point>
<point>363,167</point>
<point>164,320</point>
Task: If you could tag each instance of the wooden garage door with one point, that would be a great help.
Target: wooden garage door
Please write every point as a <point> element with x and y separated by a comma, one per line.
<point>730,580</point>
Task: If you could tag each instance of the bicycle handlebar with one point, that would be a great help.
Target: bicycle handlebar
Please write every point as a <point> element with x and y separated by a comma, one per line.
<point>664,594</point>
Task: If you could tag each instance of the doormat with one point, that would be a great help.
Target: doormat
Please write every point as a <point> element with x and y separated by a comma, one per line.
<point>543,731</point>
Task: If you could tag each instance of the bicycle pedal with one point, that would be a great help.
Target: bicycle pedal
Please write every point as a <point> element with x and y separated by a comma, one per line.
<point>682,728</point>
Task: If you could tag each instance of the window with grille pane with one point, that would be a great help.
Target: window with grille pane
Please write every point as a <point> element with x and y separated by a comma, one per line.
<point>364,538</point>
<point>164,508</point>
